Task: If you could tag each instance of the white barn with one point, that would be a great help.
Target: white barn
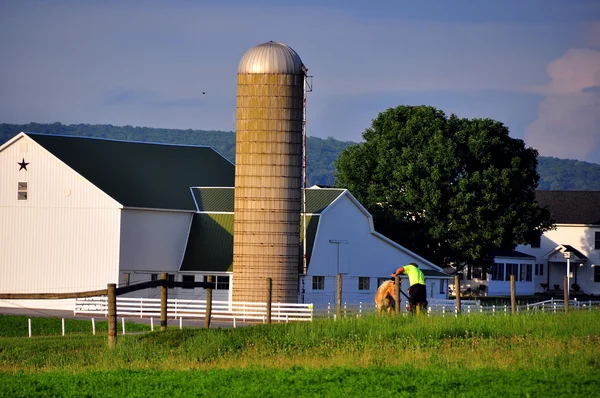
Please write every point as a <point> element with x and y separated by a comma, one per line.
<point>340,239</point>
<point>76,212</point>
<point>79,213</point>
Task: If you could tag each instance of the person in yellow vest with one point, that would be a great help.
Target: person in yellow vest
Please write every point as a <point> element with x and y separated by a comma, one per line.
<point>417,291</point>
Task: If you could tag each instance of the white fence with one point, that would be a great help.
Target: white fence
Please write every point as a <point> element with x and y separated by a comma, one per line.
<point>178,308</point>
<point>448,307</point>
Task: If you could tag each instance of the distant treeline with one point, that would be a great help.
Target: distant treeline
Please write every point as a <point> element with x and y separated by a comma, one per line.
<point>555,174</point>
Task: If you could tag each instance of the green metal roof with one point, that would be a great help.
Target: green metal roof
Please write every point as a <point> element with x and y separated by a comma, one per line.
<point>221,199</point>
<point>210,244</point>
<point>139,174</point>
<point>214,199</point>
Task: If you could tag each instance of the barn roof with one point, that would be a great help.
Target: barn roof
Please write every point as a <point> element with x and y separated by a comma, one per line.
<point>221,199</point>
<point>210,244</point>
<point>144,175</point>
<point>571,207</point>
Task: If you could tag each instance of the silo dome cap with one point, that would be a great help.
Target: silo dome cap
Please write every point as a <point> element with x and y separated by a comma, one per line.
<point>271,57</point>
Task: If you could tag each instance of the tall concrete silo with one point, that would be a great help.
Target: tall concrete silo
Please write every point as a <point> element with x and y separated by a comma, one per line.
<point>268,173</point>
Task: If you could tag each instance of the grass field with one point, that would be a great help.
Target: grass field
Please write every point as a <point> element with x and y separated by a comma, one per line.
<point>475,355</point>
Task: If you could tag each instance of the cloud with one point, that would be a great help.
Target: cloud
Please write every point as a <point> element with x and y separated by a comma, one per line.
<point>568,119</point>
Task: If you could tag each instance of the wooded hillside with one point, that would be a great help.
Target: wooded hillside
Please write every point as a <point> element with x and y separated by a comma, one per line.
<point>555,174</point>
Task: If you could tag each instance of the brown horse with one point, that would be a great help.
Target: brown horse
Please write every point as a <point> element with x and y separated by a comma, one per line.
<point>385,297</point>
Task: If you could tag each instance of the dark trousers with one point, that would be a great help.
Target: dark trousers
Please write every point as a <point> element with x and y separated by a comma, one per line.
<point>417,296</point>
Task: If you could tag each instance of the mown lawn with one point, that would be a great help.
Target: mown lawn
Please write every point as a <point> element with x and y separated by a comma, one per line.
<point>475,355</point>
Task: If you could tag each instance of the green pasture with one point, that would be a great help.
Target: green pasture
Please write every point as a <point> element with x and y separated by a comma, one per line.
<point>542,354</point>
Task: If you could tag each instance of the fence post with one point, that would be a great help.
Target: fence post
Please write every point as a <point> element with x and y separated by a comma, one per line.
<point>164,296</point>
<point>566,292</point>
<point>269,298</point>
<point>112,314</point>
<point>513,297</point>
<point>339,297</point>
<point>208,310</point>
<point>457,293</point>
<point>29,326</point>
<point>397,293</point>
<point>93,326</point>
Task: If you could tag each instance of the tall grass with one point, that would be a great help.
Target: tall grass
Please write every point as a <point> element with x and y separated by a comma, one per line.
<point>540,341</point>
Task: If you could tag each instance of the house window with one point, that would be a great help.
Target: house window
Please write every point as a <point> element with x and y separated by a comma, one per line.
<point>443,283</point>
<point>22,191</point>
<point>541,269</point>
<point>497,272</point>
<point>528,269</point>
<point>188,278</point>
<point>364,283</point>
<point>318,283</point>
<point>523,273</point>
<point>512,269</point>
<point>596,239</point>
<point>597,273</point>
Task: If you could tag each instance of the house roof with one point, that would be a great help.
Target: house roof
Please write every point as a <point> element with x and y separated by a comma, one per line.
<point>566,249</point>
<point>507,253</point>
<point>143,175</point>
<point>210,244</point>
<point>571,207</point>
<point>221,199</point>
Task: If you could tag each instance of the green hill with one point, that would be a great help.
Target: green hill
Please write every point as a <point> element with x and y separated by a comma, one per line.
<point>555,174</point>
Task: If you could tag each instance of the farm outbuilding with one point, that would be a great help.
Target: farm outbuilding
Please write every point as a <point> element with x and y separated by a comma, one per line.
<point>79,213</point>
<point>76,211</point>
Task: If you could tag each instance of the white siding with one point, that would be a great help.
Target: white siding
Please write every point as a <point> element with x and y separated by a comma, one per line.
<point>64,237</point>
<point>581,238</point>
<point>153,240</point>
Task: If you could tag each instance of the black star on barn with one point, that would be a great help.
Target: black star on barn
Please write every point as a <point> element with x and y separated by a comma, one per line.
<point>23,164</point>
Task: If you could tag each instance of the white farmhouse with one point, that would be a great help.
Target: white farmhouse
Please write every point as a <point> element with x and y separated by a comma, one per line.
<point>79,213</point>
<point>541,266</point>
<point>575,242</point>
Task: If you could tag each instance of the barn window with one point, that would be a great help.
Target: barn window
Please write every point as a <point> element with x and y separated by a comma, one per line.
<point>223,282</point>
<point>188,278</point>
<point>364,283</point>
<point>22,191</point>
<point>318,283</point>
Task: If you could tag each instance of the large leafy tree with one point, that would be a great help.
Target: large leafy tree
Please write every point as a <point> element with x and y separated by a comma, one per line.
<point>450,189</point>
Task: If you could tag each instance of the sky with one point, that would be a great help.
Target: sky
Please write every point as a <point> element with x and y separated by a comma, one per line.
<point>533,65</point>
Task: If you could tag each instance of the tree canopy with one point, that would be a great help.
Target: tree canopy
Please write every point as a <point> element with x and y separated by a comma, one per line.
<point>448,188</point>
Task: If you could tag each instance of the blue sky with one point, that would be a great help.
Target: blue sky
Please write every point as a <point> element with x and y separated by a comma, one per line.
<point>533,65</point>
